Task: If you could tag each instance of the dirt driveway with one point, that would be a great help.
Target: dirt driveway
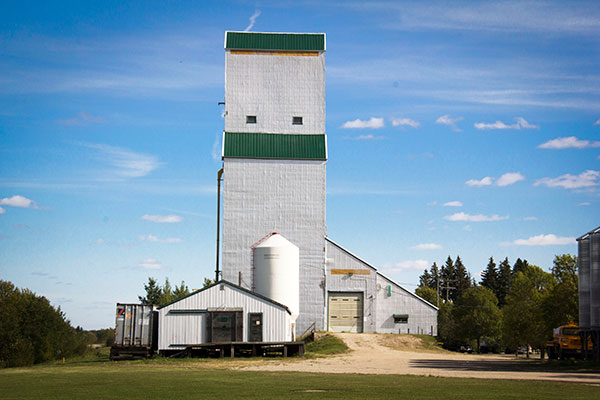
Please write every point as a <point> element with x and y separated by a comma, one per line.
<point>369,356</point>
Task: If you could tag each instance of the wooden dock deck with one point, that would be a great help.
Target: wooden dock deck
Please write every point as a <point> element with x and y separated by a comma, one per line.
<point>240,349</point>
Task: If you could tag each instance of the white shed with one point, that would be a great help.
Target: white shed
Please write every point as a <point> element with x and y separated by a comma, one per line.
<point>222,313</point>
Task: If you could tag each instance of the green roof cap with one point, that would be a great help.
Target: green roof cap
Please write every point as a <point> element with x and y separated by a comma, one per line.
<point>275,145</point>
<point>275,41</point>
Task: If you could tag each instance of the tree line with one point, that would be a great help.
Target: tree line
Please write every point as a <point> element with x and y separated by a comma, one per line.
<point>33,331</point>
<point>511,306</point>
<point>161,295</point>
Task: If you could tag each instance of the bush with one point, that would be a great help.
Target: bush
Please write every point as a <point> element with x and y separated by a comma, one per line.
<point>32,330</point>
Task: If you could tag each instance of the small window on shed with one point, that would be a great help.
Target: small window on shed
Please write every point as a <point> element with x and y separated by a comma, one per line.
<point>401,318</point>
<point>296,120</point>
<point>250,119</point>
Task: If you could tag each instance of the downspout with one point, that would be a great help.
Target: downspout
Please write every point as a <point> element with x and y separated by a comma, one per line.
<point>219,179</point>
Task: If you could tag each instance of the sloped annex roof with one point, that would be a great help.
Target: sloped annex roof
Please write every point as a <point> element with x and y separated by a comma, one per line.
<point>275,41</point>
<point>222,281</point>
<point>380,274</point>
<point>274,146</point>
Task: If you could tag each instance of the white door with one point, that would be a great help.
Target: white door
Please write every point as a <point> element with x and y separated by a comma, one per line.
<point>345,312</point>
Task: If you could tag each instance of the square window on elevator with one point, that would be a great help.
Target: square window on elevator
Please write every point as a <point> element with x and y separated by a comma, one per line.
<point>250,119</point>
<point>296,120</point>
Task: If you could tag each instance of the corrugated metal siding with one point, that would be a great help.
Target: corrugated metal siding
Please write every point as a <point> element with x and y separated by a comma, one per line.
<point>422,318</point>
<point>285,196</point>
<point>190,328</point>
<point>269,145</point>
<point>275,41</point>
<point>339,259</point>
<point>275,89</point>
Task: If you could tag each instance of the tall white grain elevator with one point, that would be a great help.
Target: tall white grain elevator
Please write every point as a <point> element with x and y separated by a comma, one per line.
<point>274,157</point>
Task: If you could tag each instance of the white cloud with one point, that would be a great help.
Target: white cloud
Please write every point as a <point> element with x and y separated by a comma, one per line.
<point>427,246</point>
<point>542,240</point>
<point>585,203</point>
<point>483,182</point>
<point>520,124</point>
<point>506,179</point>
<point>2,210</point>
<point>585,179</point>
<point>405,122</point>
<point>162,218</point>
<point>100,242</point>
<point>570,142</point>
<point>509,178</point>
<point>432,203</point>
<point>597,122</point>
<point>453,204</point>
<point>405,265</point>
<point>18,201</point>
<point>252,20</point>
<point>461,216</point>
<point>526,17</point>
<point>530,219</point>
<point>373,123</point>
<point>155,239</point>
<point>128,164</point>
<point>82,119</point>
<point>365,137</point>
<point>449,121</point>
<point>150,264</point>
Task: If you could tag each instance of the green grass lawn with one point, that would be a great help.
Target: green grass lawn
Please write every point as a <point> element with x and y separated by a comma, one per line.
<point>196,380</point>
<point>325,345</point>
<point>94,377</point>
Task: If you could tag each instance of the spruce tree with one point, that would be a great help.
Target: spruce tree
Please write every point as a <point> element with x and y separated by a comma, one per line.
<point>425,279</point>
<point>519,266</point>
<point>434,272</point>
<point>504,278</point>
<point>153,293</point>
<point>447,279</point>
<point>462,279</point>
<point>489,277</point>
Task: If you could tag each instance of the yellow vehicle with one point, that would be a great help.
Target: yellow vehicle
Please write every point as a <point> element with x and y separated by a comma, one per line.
<point>566,343</point>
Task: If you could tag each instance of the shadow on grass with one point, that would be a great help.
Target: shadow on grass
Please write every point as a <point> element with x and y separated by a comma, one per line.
<point>506,365</point>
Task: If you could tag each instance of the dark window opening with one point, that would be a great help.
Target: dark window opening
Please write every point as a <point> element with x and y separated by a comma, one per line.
<point>250,119</point>
<point>296,120</point>
<point>401,318</point>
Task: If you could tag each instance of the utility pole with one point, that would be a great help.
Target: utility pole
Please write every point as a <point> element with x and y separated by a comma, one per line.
<point>447,287</point>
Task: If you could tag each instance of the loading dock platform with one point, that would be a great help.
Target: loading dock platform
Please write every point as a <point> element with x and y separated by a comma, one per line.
<point>248,349</point>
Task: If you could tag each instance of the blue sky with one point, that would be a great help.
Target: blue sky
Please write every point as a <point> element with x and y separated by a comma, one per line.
<point>453,128</point>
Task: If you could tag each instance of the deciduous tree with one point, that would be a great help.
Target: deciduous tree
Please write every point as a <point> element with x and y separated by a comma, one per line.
<point>523,321</point>
<point>427,293</point>
<point>477,314</point>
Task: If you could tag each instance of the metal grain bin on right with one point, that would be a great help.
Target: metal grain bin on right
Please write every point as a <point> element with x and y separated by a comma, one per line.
<point>583,269</point>
<point>136,332</point>
<point>588,263</point>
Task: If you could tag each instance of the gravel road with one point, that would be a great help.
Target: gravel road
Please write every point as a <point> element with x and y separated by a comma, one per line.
<point>369,356</point>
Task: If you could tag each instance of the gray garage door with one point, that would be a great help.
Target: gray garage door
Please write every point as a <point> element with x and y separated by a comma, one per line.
<point>346,312</point>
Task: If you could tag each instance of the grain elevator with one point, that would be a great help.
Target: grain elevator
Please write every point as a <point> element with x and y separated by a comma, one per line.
<point>274,180</point>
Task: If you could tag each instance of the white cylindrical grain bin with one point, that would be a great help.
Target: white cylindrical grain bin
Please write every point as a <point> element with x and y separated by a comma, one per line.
<point>277,272</point>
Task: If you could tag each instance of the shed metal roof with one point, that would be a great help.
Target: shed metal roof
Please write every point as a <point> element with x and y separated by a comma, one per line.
<point>275,146</point>
<point>275,41</point>
<point>233,285</point>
